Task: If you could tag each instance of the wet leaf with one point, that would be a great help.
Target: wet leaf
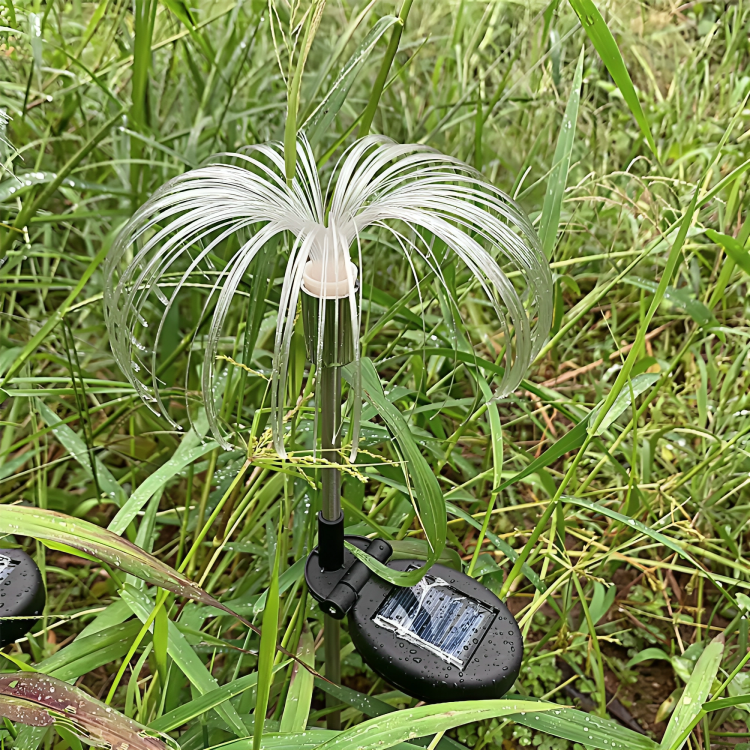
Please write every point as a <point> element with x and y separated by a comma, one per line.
<point>190,450</point>
<point>585,729</point>
<point>199,706</point>
<point>418,549</point>
<point>40,700</point>
<point>427,495</point>
<point>297,706</point>
<point>79,450</point>
<point>695,693</point>
<point>102,544</point>
<point>558,177</point>
<point>386,731</point>
<point>638,385</point>
<point>601,37</point>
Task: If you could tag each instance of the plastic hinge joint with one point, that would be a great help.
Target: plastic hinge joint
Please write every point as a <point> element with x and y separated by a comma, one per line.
<point>344,594</point>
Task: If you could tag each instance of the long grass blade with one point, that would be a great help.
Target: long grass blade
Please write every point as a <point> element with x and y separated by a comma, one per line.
<point>694,695</point>
<point>558,178</point>
<point>601,37</point>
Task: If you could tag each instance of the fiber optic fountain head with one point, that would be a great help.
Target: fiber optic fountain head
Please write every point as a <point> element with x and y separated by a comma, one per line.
<point>447,638</point>
<point>22,595</point>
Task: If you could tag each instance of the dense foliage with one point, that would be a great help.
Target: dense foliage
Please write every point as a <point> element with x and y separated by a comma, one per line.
<point>619,527</point>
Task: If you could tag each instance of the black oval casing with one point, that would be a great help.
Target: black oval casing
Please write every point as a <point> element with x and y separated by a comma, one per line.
<point>22,594</point>
<point>492,657</point>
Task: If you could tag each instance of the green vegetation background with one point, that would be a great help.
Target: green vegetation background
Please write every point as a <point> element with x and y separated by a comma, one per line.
<point>109,100</point>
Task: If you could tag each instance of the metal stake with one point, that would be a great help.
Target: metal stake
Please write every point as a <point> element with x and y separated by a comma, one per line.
<point>330,433</point>
<point>330,429</point>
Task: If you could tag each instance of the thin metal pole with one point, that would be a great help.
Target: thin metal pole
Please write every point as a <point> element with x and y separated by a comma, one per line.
<point>330,428</point>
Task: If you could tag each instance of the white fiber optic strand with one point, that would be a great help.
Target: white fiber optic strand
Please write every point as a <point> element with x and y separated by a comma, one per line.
<point>414,192</point>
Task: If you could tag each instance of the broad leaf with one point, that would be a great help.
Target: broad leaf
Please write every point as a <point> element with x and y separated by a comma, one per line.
<point>102,544</point>
<point>386,731</point>
<point>40,700</point>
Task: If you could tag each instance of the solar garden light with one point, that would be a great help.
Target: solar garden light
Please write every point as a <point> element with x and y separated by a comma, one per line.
<point>448,637</point>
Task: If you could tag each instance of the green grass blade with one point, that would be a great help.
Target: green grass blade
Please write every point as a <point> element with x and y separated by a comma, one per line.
<point>638,385</point>
<point>183,457</point>
<point>722,703</point>
<point>419,549</point>
<point>79,450</point>
<point>586,729</point>
<point>386,731</point>
<point>669,269</point>
<point>558,177</point>
<point>679,298</point>
<point>182,11</point>
<point>297,706</point>
<point>87,653</point>
<point>293,94</point>
<point>733,248</point>
<point>385,67</point>
<point>57,316</point>
<point>47,525</point>
<point>145,13</point>
<point>601,37</point>
<point>160,640</point>
<point>195,708</point>
<point>565,444</point>
<point>500,544</point>
<point>31,207</point>
<point>648,531</point>
<point>183,655</point>
<point>496,440</point>
<point>320,120</point>
<point>695,693</point>
<point>267,651</point>
<point>428,498</point>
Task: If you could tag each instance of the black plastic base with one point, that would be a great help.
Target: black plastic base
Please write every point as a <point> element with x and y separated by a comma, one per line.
<point>22,595</point>
<point>492,658</point>
<point>322,582</point>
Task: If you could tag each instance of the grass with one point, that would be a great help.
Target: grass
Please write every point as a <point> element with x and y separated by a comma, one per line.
<point>620,544</point>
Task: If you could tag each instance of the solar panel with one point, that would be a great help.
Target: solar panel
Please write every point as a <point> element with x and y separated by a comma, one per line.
<point>6,566</point>
<point>436,617</point>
